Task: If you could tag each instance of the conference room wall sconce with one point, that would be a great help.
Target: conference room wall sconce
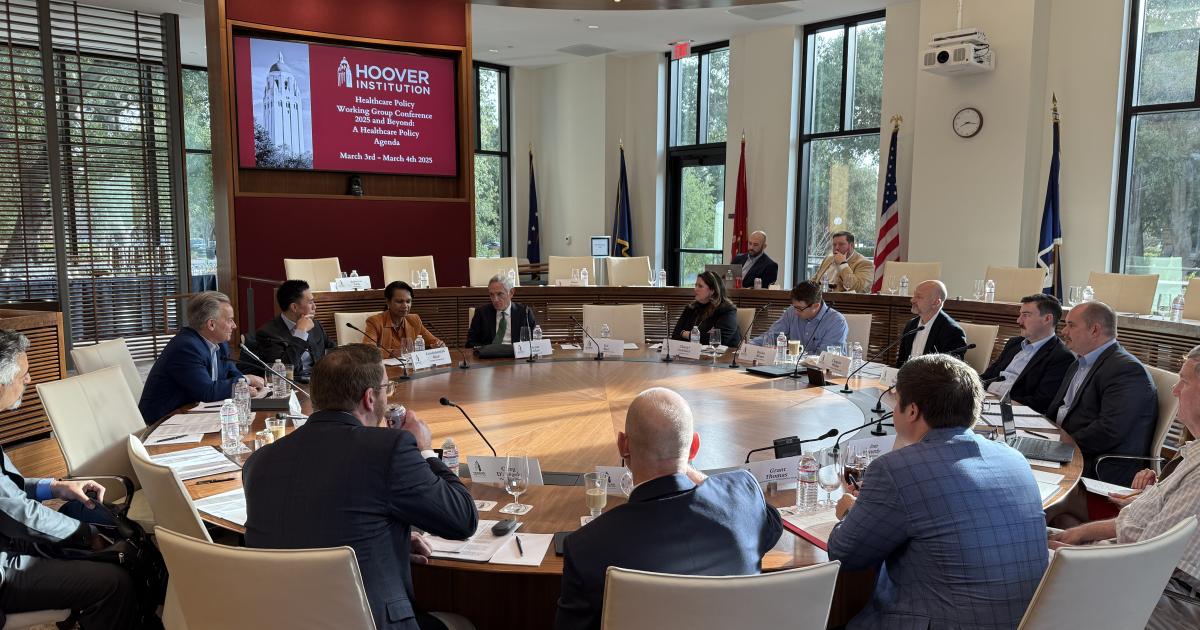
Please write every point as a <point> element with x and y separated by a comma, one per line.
<point>356,187</point>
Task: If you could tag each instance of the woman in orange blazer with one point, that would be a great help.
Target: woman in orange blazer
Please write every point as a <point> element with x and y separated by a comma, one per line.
<point>396,328</point>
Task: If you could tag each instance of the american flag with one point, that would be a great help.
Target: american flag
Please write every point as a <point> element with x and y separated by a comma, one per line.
<point>887,243</point>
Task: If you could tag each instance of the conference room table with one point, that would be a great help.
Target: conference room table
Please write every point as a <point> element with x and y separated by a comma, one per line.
<point>566,410</point>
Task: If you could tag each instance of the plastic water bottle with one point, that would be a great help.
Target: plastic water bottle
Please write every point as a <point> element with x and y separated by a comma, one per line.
<point>419,344</point>
<point>781,349</point>
<point>662,277</point>
<point>1177,309</point>
<point>856,356</point>
<point>903,285</point>
<point>989,291</point>
<point>728,278</point>
<point>605,331</point>
<point>1089,294</point>
<point>231,428</point>
<point>279,387</point>
<point>583,277</point>
<point>512,277</point>
<point>423,279</point>
<point>536,337</point>
<point>450,455</point>
<point>758,283</point>
<point>353,273</point>
<point>806,488</point>
<point>241,398</point>
<point>695,337</point>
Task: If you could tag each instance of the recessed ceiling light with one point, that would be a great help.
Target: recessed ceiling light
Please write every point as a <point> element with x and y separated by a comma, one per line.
<point>493,50</point>
<point>593,26</point>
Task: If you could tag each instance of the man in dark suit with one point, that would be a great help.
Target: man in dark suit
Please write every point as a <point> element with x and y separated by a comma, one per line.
<point>1107,401</point>
<point>195,365</point>
<point>342,479</point>
<point>953,521</point>
<point>675,521</point>
<point>501,319</point>
<point>756,263</point>
<point>1032,364</point>
<point>941,332</point>
<point>294,335</point>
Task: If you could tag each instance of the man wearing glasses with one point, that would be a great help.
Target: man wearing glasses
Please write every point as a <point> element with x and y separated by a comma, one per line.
<point>810,321</point>
<point>344,478</point>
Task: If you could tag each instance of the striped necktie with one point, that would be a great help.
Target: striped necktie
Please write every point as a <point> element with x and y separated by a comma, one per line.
<point>501,328</point>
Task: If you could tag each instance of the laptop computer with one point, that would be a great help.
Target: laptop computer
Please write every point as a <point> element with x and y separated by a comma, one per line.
<point>1031,447</point>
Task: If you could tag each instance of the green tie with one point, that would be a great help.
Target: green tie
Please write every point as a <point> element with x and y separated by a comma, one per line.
<point>501,328</point>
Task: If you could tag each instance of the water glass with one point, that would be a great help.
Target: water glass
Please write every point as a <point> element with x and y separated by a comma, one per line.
<point>891,286</point>
<point>978,291</point>
<point>652,278</point>
<point>714,341</point>
<point>516,481</point>
<point>277,426</point>
<point>595,489</point>
<point>836,350</point>
<point>1164,305</point>
<point>1074,295</point>
<point>829,475</point>
<point>575,277</point>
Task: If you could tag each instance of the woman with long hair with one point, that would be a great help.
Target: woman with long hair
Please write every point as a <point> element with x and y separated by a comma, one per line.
<point>710,310</point>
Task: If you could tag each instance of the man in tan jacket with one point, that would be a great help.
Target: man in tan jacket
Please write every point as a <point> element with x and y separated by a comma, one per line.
<point>847,269</point>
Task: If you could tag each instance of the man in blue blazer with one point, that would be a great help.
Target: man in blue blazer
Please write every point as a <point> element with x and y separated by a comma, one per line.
<point>676,520</point>
<point>342,479</point>
<point>195,365</point>
<point>953,521</point>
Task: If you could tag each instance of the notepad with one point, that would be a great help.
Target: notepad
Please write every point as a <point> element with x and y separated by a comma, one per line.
<point>230,506</point>
<point>1103,488</point>
<point>815,527</point>
<point>534,545</point>
<point>480,547</point>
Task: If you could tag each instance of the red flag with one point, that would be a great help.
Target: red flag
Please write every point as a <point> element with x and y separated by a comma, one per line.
<point>740,207</point>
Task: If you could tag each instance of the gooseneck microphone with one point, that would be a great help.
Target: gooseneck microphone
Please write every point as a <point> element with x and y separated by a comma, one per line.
<point>746,332</point>
<point>270,369</point>
<point>836,443</point>
<point>599,350</point>
<point>962,350</point>
<point>450,403</point>
<point>846,388</point>
<point>391,353</point>
<point>462,364</point>
<point>789,443</point>
<point>878,408</point>
<point>999,379</point>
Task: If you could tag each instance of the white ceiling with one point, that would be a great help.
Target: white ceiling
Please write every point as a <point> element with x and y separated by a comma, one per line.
<point>532,37</point>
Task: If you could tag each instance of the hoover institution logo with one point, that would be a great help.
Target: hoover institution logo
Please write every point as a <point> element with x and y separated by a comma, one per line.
<point>343,74</point>
<point>383,78</point>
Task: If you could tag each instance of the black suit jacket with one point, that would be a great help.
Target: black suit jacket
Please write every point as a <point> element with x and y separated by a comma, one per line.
<point>483,325</point>
<point>1115,412</point>
<point>764,268</point>
<point>1038,382</point>
<point>335,482</point>
<point>944,334</point>
<point>724,320</point>
<point>275,341</point>
<point>723,526</point>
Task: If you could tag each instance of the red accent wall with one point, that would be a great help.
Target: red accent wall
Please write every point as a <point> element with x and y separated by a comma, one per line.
<point>422,21</point>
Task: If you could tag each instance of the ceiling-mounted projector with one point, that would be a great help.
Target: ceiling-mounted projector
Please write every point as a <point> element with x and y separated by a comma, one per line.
<point>960,52</point>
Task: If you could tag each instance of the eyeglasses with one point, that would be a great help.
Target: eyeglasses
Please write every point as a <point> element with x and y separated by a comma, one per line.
<point>389,387</point>
<point>801,309</point>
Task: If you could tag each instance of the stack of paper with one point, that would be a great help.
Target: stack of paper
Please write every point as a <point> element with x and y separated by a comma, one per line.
<point>196,462</point>
<point>183,428</point>
<point>484,546</point>
<point>1104,489</point>
<point>230,506</point>
<point>815,527</point>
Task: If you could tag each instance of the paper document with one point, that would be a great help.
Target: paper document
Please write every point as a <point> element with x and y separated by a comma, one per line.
<point>1044,464</point>
<point>1104,488</point>
<point>191,423</point>
<point>478,548</point>
<point>570,346</point>
<point>629,345</point>
<point>534,546</point>
<point>1034,422</point>
<point>1047,490</point>
<point>391,362</point>
<point>230,506</point>
<point>196,462</point>
<point>1047,477</point>
<point>159,438</point>
<point>208,407</point>
<point>814,527</point>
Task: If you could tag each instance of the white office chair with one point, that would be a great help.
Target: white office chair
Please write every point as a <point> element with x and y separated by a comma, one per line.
<point>628,272</point>
<point>344,333</point>
<point>797,599</point>
<point>860,329</point>
<point>109,354</point>
<point>317,272</point>
<point>1168,405</point>
<point>483,269</point>
<point>625,321</point>
<point>917,273</point>
<point>745,322</point>
<point>402,268</point>
<point>1106,586</point>
<point>561,267</point>
<point>20,621</point>
<point>1125,293</point>
<point>1191,305</point>
<point>984,338</point>
<point>1014,283</point>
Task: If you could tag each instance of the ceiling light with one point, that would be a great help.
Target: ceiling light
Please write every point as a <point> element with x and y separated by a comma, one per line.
<point>593,26</point>
<point>493,50</point>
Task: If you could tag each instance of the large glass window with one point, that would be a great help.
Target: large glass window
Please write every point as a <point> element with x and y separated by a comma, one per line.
<point>202,244</point>
<point>839,172</point>
<point>1159,224</point>
<point>699,111</point>
<point>491,161</point>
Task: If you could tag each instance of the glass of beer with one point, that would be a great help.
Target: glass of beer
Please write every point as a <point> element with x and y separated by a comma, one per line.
<point>595,487</point>
<point>277,426</point>
<point>795,347</point>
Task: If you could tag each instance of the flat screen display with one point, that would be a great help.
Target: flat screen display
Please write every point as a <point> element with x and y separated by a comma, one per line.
<point>322,107</point>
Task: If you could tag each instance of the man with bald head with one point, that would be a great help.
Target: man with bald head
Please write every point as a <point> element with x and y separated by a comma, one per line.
<point>756,263</point>
<point>1107,400</point>
<point>675,521</point>
<point>940,333</point>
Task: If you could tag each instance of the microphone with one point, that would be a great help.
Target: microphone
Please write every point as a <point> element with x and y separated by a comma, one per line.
<point>878,408</point>
<point>450,403</point>
<point>788,446</point>
<point>845,433</point>
<point>878,430</point>
<point>761,309</point>
<point>529,324</point>
<point>270,369</point>
<point>962,350</point>
<point>599,350</point>
<point>846,388</point>
<point>390,352</point>
<point>998,379</point>
<point>462,364</point>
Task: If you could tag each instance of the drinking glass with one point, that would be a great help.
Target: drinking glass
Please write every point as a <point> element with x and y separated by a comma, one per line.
<point>1074,295</point>
<point>891,286</point>
<point>516,481</point>
<point>277,426</point>
<point>714,341</point>
<point>836,350</point>
<point>595,490</point>
<point>575,277</point>
<point>1164,305</point>
<point>978,292</point>
<point>854,466</point>
<point>625,483</point>
<point>829,475</point>
<point>525,334</point>
<point>653,277</point>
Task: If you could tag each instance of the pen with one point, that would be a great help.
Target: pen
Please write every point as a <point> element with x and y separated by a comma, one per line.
<point>169,439</point>
<point>520,549</point>
<point>1035,434</point>
<point>217,480</point>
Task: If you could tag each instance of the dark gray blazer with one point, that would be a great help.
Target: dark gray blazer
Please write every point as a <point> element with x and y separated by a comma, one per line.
<point>1038,383</point>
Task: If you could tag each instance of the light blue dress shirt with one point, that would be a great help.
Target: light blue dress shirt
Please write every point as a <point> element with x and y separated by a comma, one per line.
<point>306,358</point>
<point>214,359</point>
<point>827,328</point>
<point>1017,365</point>
<point>1085,364</point>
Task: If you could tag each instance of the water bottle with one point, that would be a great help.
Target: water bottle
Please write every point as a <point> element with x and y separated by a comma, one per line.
<point>605,331</point>
<point>903,285</point>
<point>856,356</point>
<point>450,455</point>
<point>1177,309</point>
<point>419,344</point>
<point>512,277</point>
<point>758,283</point>
<point>728,278</point>
<point>781,349</point>
<point>583,277</point>
<point>277,382</point>
<point>662,277</point>
<point>989,291</point>
<point>231,428</point>
<point>241,398</point>
<point>423,279</point>
<point>1089,294</point>
<point>806,488</point>
<point>537,336</point>
<point>695,338</point>
<point>353,273</point>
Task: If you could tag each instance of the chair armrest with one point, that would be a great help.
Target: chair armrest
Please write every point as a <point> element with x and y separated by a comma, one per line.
<point>1156,462</point>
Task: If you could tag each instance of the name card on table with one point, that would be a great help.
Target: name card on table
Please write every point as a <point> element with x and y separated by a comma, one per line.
<point>872,446</point>
<point>616,476</point>
<point>769,470</point>
<point>840,365</point>
<point>487,469</point>
<point>613,347</point>
<point>430,358</point>
<point>567,282</point>
<point>751,352</point>
<point>887,376</point>
<point>542,347</point>
<point>357,283</point>
<point>681,349</point>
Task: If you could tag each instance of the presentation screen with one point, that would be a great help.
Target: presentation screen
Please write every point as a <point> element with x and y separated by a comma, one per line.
<point>320,107</point>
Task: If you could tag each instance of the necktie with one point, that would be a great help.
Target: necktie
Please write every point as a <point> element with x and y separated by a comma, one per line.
<point>501,328</point>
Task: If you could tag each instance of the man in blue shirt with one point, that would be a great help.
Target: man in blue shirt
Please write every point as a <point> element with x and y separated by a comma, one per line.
<point>953,521</point>
<point>810,321</point>
<point>1031,365</point>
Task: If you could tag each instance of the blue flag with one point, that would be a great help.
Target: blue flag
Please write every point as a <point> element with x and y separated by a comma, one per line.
<point>1050,241</point>
<point>533,246</point>
<point>622,223</point>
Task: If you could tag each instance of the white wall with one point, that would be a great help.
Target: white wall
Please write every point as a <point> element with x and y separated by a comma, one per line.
<point>900,99</point>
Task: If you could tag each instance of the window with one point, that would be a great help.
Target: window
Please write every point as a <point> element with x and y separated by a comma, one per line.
<point>699,107</point>
<point>839,169</point>
<point>1158,225</point>
<point>492,214</point>
<point>202,244</point>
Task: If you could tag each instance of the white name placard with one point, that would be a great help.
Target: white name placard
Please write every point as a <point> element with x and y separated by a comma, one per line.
<point>488,469</point>
<point>429,358</point>
<point>872,445</point>
<point>774,469</point>
<point>887,376</point>
<point>610,347</point>
<point>839,364</point>
<point>614,474</point>
<point>681,349</point>
<point>541,347</point>
<point>357,283</point>
<point>751,352</point>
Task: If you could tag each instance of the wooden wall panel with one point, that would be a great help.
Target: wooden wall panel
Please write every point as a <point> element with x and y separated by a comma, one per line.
<point>47,362</point>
